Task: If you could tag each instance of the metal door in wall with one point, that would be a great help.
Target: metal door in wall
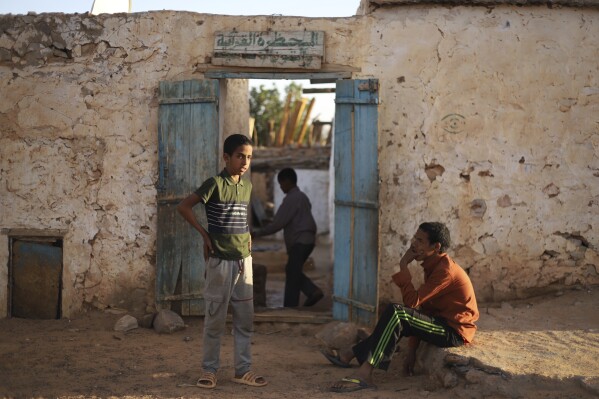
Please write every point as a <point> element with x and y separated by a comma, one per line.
<point>356,252</point>
<point>36,278</point>
<point>188,154</point>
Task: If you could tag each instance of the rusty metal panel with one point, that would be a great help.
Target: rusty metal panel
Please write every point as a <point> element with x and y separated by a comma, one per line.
<point>36,280</point>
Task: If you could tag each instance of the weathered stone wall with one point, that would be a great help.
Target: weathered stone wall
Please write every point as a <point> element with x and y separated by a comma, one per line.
<point>79,141</point>
<point>489,124</point>
<point>78,145</point>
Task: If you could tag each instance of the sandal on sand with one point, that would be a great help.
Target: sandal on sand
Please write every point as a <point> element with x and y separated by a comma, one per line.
<point>351,384</point>
<point>251,379</point>
<point>206,380</point>
<point>333,357</point>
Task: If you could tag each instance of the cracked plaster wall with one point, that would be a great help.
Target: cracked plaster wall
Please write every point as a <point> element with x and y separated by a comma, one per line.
<point>488,122</point>
<point>78,145</point>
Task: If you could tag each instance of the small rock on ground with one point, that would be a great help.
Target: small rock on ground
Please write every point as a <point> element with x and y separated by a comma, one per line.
<point>126,323</point>
<point>167,322</point>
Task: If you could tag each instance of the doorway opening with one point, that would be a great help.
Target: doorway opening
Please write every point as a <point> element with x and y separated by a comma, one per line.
<point>190,123</point>
<point>35,277</point>
<point>291,124</point>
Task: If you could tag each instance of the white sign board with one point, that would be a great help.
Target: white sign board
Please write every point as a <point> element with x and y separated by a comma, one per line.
<point>302,49</point>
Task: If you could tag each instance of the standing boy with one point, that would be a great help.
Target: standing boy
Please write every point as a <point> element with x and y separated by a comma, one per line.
<point>294,216</point>
<point>227,251</point>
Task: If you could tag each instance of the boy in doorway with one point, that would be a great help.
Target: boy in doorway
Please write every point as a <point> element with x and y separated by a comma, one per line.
<point>227,251</point>
<point>294,216</point>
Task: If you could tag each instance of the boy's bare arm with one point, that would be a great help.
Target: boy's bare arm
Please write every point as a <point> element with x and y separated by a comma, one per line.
<point>185,209</point>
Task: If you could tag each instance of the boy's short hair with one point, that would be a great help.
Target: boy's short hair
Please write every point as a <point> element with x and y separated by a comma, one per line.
<point>234,141</point>
<point>287,174</point>
<point>437,233</point>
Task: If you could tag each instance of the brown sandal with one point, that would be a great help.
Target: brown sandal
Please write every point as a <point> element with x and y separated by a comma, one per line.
<point>207,380</point>
<point>251,379</point>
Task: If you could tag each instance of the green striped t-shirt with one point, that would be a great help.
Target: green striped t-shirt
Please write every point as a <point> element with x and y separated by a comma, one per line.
<point>226,204</point>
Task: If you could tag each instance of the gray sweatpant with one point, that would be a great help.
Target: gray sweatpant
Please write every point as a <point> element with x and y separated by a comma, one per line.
<point>228,281</point>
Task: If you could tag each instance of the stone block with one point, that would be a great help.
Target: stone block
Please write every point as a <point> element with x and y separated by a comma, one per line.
<point>449,379</point>
<point>453,359</point>
<point>167,322</point>
<point>126,323</point>
<point>474,376</point>
<point>147,321</point>
<point>338,335</point>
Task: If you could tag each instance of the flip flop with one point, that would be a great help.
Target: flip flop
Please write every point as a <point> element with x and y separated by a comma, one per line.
<point>335,359</point>
<point>354,384</point>
<point>207,380</point>
<point>251,379</point>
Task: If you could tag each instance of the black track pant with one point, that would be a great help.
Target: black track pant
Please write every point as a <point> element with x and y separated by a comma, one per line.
<point>400,321</point>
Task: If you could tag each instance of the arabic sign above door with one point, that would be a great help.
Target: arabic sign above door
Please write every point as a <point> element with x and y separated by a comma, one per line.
<point>302,49</point>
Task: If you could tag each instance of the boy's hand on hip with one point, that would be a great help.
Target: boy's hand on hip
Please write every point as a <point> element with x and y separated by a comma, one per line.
<point>208,248</point>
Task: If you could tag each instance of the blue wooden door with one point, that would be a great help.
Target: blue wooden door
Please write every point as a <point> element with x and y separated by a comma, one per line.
<point>188,154</point>
<point>355,289</point>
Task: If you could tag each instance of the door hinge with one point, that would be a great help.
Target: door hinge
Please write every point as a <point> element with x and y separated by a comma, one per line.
<point>372,85</point>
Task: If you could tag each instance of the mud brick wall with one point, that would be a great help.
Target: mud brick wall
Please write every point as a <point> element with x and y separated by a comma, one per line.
<point>487,122</point>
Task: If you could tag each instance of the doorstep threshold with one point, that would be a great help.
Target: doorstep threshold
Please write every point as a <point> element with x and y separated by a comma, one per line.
<point>288,315</point>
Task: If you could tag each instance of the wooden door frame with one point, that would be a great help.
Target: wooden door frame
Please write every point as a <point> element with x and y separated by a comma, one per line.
<point>314,77</point>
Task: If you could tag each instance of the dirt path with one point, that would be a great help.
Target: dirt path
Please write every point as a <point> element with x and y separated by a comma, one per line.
<point>85,358</point>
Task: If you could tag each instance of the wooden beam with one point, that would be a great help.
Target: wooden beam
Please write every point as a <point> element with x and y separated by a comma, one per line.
<point>319,90</point>
<point>269,159</point>
<point>286,316</point>
<point>298,109</point>
<point>319,81</point>
<point>302,132</point>
<point>271,132</point>
<point>33,232</point>
<point>328,73</point>
<point>280,139</point>
<point>268,61</point>
<point>311,135</point>
<point>252,131</point>
<point>315,134</point>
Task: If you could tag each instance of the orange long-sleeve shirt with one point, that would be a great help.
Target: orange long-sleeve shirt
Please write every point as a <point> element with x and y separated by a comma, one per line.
<point>447,292</point>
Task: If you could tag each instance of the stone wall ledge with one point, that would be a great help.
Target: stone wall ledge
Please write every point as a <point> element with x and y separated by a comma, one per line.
<point>550,3</point>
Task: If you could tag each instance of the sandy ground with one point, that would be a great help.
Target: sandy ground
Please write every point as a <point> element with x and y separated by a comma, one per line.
<point>546,347</point>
